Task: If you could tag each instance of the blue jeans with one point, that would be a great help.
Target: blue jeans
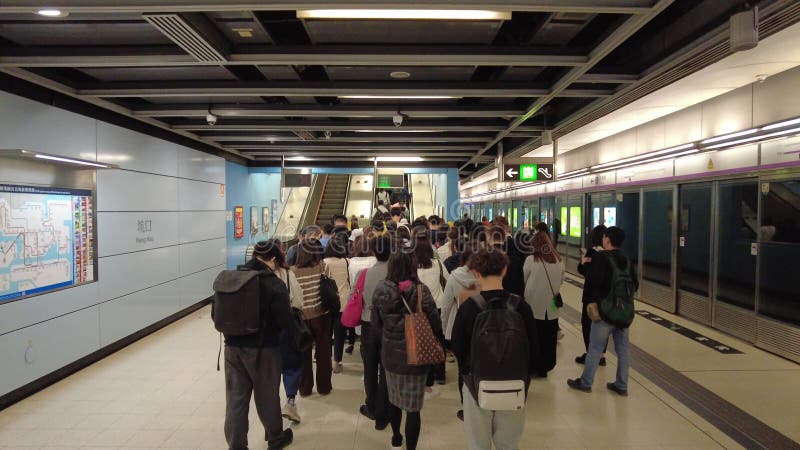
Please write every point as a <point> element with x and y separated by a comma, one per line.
<point>601,330</point>
<point>291,380</point>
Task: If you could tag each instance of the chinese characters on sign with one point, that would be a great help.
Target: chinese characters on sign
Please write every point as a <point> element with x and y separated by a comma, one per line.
<point>238,222</point>
<point>144,227</point>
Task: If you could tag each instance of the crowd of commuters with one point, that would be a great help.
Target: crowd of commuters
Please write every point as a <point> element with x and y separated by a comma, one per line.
<point>457,274</point>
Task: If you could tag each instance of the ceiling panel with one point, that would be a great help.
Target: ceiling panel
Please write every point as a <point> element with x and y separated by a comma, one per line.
<point>521,73</point>
<point>378,73</point>
<point>203,100</point>
<point>240,27</point>
<point>159,73</point>
<point>38,33</point>
<point>279,73</point>
<point>401,32</point>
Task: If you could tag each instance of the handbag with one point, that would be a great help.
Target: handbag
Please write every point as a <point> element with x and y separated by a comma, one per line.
<point>351,316</point>
<point>558,302</point>
<point>329,294</point>
<point>422,347</point>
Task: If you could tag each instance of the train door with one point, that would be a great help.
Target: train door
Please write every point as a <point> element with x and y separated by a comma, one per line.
<point>658,247</point>
<point>695,214</point>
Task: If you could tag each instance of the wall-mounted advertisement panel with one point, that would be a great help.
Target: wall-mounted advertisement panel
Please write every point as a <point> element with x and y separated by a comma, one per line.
<point>47,240</point>
<point>610,216</point>
<point>575,221</point>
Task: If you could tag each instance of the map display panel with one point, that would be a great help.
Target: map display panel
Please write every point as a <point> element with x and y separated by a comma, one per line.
<point>46,240</point>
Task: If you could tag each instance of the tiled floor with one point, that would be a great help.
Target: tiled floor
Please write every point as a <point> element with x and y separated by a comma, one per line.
<point>164,392</point>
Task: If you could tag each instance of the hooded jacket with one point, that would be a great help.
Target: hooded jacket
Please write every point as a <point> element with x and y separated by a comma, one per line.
<point>460,279</point>
<point>388,322</point>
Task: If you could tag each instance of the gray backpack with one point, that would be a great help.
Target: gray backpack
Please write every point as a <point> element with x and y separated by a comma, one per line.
<point>236,309</point>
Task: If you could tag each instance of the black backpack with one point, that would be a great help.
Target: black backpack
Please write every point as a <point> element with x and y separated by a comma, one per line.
<point>617,307</point>
<point>237,304</point>
<point>499,354</point>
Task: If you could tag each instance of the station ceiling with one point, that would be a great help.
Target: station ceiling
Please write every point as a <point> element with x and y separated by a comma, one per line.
<point>282,84</point>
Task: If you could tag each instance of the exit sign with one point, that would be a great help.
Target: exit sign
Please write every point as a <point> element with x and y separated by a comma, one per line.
<point>528,172</point>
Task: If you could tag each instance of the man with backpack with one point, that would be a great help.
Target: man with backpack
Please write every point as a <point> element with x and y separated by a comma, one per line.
<point>251,307</point>
<point>610,287</point>
<point>494,338</point>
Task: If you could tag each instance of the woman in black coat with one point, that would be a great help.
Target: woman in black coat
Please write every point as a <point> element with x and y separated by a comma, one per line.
<point>584,268</point>
<point>393,300</point>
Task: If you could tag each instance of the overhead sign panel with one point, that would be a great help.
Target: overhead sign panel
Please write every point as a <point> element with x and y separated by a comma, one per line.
<point>528,169</point>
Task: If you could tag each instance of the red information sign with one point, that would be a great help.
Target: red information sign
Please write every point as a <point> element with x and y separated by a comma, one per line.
<point>238,222</point>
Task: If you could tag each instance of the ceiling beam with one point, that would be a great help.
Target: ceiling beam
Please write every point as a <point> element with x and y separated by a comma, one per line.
<point>364,137</point>
<point>337,148</point>
<point>331,89</point>
<point>611,42</point>
<point>141,6</point>
<point>336,55</point>
<point>616,78</point>
<point>387,126</point>
<point>413,111</point>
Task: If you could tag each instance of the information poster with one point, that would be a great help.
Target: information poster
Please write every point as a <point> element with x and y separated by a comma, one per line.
<point>563,221</point>
<point>254,220</point>
<point>610,216</point>
<point>595,216</point>
<point>265,219</point>
<point>46,239</point>
<point>238,222</point>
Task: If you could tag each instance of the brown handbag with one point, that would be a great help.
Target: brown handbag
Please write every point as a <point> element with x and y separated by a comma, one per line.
<point>422,347</point>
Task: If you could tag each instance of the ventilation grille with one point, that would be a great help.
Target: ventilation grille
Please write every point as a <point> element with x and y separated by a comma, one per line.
<point>182,33</point>
<point>735,321</point>
<point>783,16</point>
<point>779,338</point>
<point>658,296</point>
<point>694,307</point>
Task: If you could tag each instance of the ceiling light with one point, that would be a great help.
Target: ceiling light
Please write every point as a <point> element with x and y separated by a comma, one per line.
<point>69,160</point>
<point>399,74</point>
<point>49,12</point>
<point>729,136</point>
<point>243,32</point>
<point>404,14</point>
<point>399,159</point>
<point>412,97</point>
<point>754,139</point>
<point>644,156</point>
<point>781,124</point>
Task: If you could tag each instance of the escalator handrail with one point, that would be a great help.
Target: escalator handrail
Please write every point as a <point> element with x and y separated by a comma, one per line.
<point>321,195</point>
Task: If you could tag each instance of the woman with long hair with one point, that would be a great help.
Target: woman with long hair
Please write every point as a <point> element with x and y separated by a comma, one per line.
<point>335,267</point>
<point>543,273</point>
<point>393,299</point>
<point>308,270</point>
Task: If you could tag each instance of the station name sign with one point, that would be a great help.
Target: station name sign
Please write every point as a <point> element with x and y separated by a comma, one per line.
<point>528,169</point>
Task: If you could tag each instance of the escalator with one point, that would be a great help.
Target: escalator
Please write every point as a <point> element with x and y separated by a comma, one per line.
<point>334,198</point>
<point>421,189</point>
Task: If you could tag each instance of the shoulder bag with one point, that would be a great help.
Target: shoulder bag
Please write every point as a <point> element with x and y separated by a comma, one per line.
<point>351,316</point>
<point>329,294</point>
<point>422,347</point>
<point>558,302</point>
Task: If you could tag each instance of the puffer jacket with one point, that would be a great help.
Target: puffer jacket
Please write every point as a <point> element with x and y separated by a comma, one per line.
<point>388,323</point>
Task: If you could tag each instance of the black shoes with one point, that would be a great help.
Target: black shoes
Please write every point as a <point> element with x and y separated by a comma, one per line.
<point>283,441</point>
<point>441,381</point>
<point>582,360</point>
<point>460,415</point>
<point>380,424</point>
<point>613,387</point>
<point>397,442</point>
<point>349,349</point>
<point>364,410</point>
<point>578,385</point>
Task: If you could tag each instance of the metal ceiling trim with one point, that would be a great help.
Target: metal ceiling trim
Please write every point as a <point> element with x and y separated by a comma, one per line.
<point>335,126</point>
<point>356,111</point>
<point>165,6</point>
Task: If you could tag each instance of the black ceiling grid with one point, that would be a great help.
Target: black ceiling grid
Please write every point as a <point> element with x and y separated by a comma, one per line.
<point>285,86</point>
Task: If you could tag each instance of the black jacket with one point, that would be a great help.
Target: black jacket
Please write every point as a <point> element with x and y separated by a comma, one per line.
<point>275,310</point>
<point>585,270</point>
<point>461,339</point>
<point>598,282</point>
<point>514,281</point>
<point>388,324</point>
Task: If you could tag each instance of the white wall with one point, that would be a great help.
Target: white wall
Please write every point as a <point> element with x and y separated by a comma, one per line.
<point>139,282</point>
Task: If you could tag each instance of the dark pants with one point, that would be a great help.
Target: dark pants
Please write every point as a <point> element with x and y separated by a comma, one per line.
<point>244,377</point>
<point>292,366</point>
<point>340,333</point>
<point>547,330</point>
<point>377,393</point>
<point>321,329</point>
<point>586,328</point>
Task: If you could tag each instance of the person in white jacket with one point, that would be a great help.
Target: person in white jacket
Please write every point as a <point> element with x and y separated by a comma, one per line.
<point>543,273</point>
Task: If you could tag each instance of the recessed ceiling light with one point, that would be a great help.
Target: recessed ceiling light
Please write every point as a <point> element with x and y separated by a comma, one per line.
<point>399,74</point>
<point>243,32</point>
<point>51,12</point>
<point>404,14</point>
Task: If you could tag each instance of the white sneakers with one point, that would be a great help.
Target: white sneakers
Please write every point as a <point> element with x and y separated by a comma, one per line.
<point>289,411</point>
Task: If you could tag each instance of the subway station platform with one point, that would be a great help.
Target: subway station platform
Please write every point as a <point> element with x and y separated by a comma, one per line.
<point>685,393</point>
